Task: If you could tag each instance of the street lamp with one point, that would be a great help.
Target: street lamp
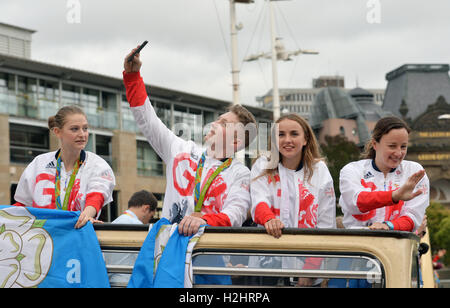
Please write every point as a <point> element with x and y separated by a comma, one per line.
<point>235,62</point>
<point>278,52</point>
<point>234,54</point>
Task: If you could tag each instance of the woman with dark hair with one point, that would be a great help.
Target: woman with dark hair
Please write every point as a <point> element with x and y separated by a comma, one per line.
<point>71,178</point>
<point>383,191</point>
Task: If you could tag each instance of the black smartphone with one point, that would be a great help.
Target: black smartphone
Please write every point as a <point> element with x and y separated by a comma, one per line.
<point>130,58</point>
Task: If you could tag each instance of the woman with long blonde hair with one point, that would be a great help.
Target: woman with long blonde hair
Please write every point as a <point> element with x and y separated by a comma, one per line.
<point>71,178</point>
<point>294,188</point>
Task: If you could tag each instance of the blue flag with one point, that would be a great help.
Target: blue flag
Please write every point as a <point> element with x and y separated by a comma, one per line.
<point>165,258</point>
<point>143,271</point>
<point>41,248</point>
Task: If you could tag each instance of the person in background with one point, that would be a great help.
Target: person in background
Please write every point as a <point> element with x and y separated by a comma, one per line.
<point>384,191</point>
<point>141,209</point>
<point>440,254</point>
<point>71,178</point>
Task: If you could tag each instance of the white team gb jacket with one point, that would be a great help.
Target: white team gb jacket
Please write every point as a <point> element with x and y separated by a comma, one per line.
<point>315,201</point>
<point>95,182</point>
<point>227,200</point>
<point>364,176</point>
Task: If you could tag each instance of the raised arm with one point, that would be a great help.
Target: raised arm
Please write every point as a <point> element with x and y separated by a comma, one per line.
<point>160,137</point>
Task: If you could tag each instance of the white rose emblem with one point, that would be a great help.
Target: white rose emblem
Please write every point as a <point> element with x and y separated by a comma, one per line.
<point>26,249</point>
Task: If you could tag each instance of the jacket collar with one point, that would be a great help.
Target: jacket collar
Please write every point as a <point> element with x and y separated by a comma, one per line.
<point>82,155</point>
<point>377,169</point>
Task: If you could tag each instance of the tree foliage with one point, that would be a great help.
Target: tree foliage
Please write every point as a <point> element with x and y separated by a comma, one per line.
<point>438,221</point>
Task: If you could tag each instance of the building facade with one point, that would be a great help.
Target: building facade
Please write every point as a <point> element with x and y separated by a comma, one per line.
<point>15,41</point>
<point>430,146</point>
<point>420,94</point>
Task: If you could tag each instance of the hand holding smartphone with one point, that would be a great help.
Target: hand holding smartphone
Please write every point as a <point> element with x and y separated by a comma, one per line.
<point>130,58</point>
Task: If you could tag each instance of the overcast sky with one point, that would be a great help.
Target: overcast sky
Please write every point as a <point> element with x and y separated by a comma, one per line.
<point>189,47</point>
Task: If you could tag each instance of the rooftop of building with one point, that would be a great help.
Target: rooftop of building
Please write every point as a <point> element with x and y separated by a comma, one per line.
<point>332,103</point>
<point>360,92</point>
<point>420,68</point>
<point>418,86</point>
<point>4,25</point>
<point>337,103</point>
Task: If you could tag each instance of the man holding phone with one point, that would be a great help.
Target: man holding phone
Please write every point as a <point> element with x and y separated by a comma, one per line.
<point>204,186</point>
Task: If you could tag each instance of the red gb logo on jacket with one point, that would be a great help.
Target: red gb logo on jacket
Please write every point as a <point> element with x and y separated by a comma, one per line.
<point>185,184</point>
<point>215,197</point>
<point>371,214</point>
<point>45,193</point>
<point>308,210</point>
<point>183,173</point>
<point>45,183</point>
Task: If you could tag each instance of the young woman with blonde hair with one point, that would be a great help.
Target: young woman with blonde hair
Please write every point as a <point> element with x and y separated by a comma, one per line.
<point>294,188</point>
<point>71,178</point>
